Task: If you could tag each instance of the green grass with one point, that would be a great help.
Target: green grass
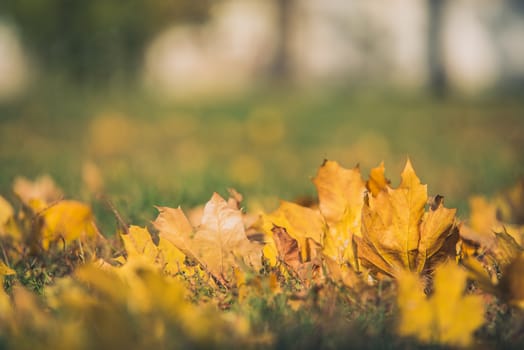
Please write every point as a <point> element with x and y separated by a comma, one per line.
<point>266,144</point>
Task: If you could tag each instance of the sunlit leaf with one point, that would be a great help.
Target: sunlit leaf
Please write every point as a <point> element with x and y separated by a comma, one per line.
<point>216,243</point>
<point>377,181</point>
<point>68,220</point>
<point>138,242</point>
<point>341,196</point>
<point>299,222</point>
<point>397,233</point>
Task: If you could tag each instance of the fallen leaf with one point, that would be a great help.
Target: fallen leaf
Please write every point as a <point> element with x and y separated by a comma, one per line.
<point>216,243</point>
<point>300,223</point>
<point>341,197</point>
<point>138,243</point>
<point>448,316</point>
<point>171,258</point>
<point>69,220</point>
<point>398,234</point>
<point>289,252</point>
<point>287,247</point>
<point>377,181</point>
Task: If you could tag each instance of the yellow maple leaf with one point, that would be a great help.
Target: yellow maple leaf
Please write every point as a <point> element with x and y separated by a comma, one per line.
<point>341,197</point>
<point>69,220</point>
<point>377,181</point>
<point>216,243</point>
<point>447,317</point>
<point>397,233</point>
<point>138,243</point>
<point>300,223</point>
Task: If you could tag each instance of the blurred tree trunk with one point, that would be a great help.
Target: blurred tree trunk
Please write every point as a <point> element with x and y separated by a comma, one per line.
<point>438,80</point>
<point>281,65</point>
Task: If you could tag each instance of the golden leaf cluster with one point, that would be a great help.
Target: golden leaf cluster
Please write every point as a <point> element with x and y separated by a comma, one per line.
<point>195,278</point>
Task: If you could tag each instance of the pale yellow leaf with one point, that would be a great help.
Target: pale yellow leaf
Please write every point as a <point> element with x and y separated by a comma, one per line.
<point>176,228</point>
<point>216,243</point>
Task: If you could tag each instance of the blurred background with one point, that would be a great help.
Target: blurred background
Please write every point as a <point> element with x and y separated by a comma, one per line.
<point>162,102</point>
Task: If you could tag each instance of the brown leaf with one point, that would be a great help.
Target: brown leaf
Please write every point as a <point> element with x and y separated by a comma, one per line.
<point>289,252</point>
<point>287,247</point>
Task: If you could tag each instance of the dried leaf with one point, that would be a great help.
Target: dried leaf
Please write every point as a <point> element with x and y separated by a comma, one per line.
<point>216,243</point>
<point>171,258</point>
<point>175,227</point>
<point>69,220</point>
<point>300,223</point>
<point>287,247</point>
<point>289,252</point>
<point>341,196</point>
<point>447,317</point>
<point>398,234</point>
<point>138,243</point>
<point>377,181</point>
